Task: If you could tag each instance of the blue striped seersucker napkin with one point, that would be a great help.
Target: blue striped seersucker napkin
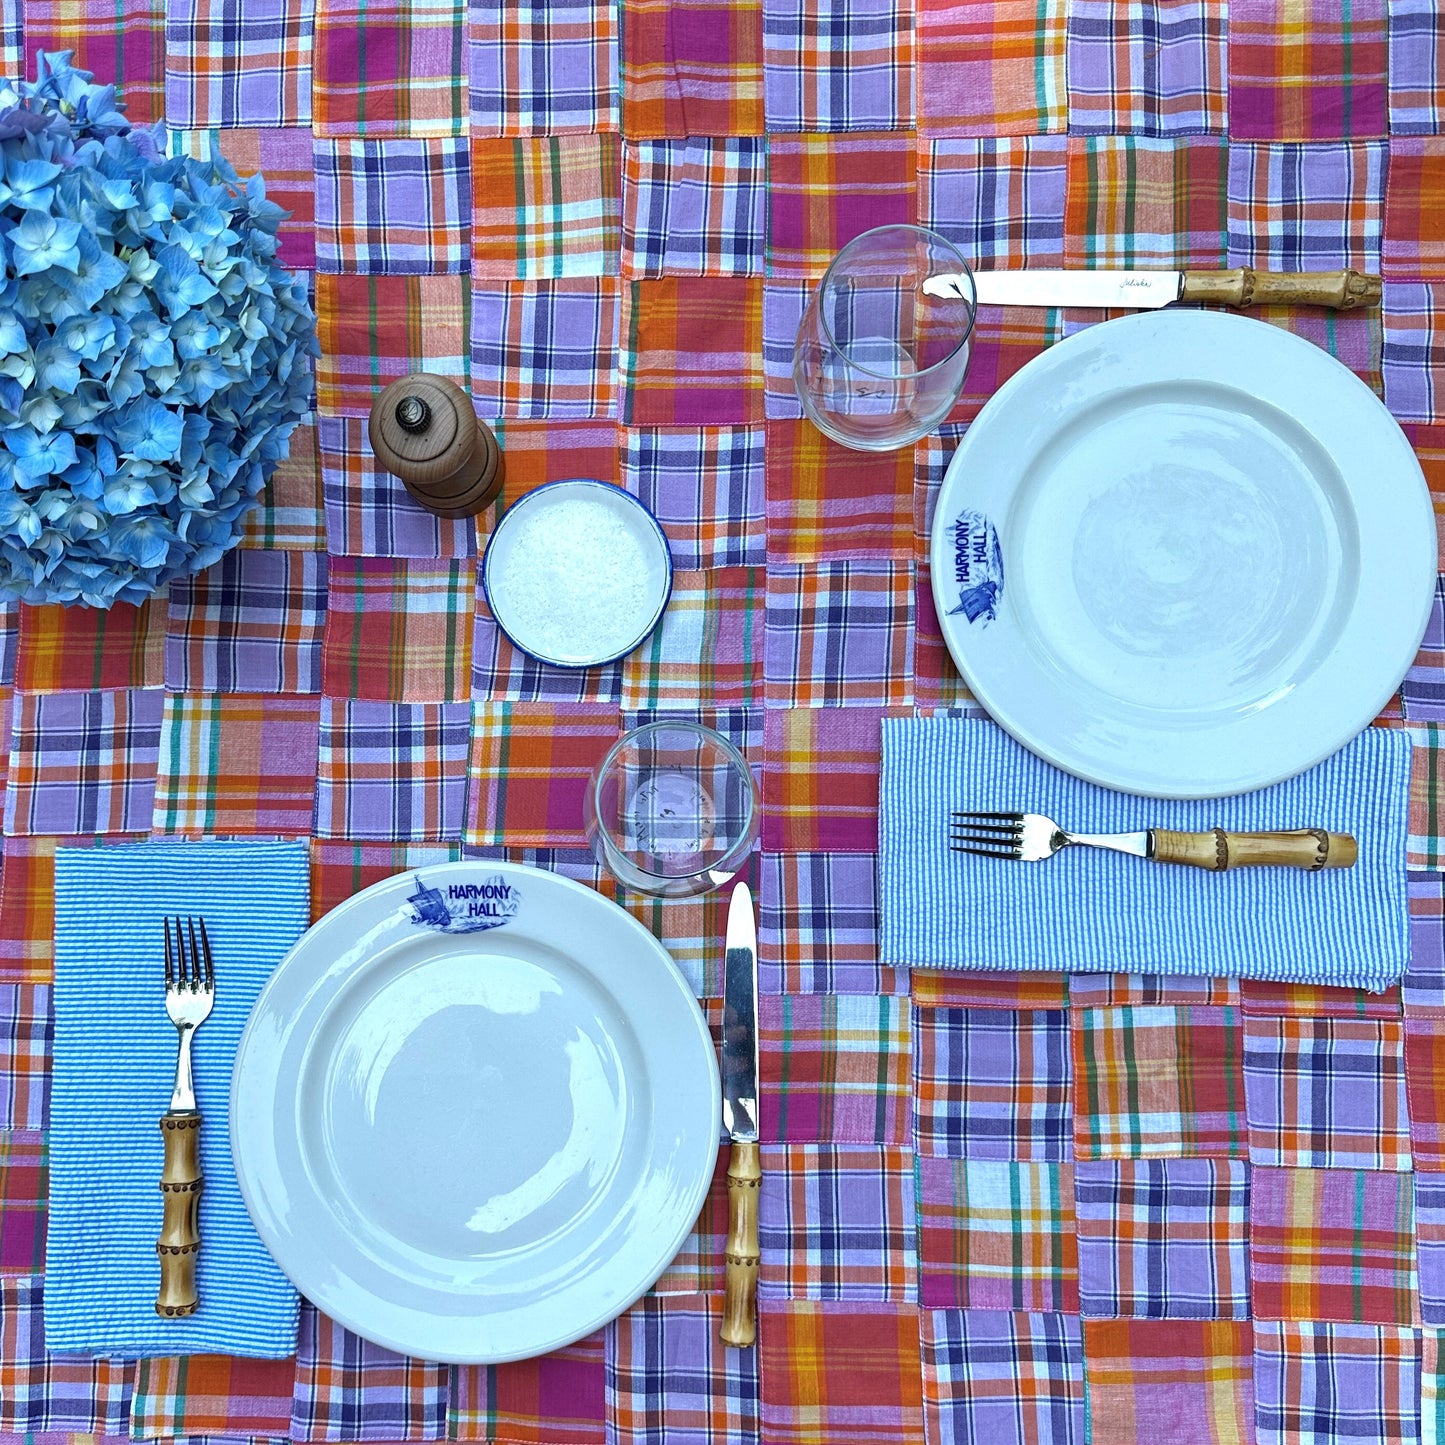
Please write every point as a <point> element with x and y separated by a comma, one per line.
<point>115,1059</point>
<point>1092,911</point>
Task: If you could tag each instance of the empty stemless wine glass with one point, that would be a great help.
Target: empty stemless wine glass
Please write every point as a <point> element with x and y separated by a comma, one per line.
<point>877,363</point>
<point>672,809</point>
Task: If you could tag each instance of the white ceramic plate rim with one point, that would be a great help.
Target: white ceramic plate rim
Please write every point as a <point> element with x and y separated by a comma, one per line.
<point>1376,463</point>
<point>310,955</point>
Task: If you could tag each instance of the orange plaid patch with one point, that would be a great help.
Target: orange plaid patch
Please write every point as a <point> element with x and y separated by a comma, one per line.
<point>958,988</point>
<point>1414,245</point>
<point>212,1395</point>
<point>27,908</point>
<point>80,649</point>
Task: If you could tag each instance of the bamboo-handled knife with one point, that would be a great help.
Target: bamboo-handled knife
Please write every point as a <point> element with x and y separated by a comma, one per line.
<point>1148,290</point>
<point>740,1118</point>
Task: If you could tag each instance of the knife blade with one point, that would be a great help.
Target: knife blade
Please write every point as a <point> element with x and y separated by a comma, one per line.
<point>1148,290</point>
<point>740,1118</point>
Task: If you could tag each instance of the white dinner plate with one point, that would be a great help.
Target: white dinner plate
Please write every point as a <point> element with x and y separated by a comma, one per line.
<point>475,1112</point>
<point>1183,554</point>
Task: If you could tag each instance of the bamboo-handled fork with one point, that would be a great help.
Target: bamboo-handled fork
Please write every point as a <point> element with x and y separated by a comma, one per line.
<point>1031,837</point>
<point>190,992</point>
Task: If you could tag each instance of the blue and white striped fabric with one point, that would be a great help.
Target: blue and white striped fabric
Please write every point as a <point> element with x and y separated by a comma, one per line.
<point>1090,911</point>
<point>115,1058</point>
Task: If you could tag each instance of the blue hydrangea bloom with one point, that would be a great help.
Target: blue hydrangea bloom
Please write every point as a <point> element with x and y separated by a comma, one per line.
<point>154,358</point>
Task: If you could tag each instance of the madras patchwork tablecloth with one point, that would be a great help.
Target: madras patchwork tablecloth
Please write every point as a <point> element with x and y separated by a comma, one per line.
<point>1042,1208</point>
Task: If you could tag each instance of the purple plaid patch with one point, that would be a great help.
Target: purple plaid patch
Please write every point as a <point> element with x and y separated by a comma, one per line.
<point>1423,691</point>
<point>671,1381</point>
<point>27,1034</point>
<point>1163,1238</point>
<point>1422,990</point>
<point>251,623</point>
<point>1413,357</point>
<point>1417,67</point>
<point>349,1389</point>
<point>393,770</point>
<point>1430,1245</point>
<point>238,63</point>
<point>783,303</point>
<point>84,762</point>
<point>992,1377</point>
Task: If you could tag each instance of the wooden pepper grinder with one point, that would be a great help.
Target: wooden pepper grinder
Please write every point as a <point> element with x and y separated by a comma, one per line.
<point>424,431</point>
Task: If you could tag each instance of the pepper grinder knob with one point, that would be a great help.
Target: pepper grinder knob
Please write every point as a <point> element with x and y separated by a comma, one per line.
<point>424,431</point>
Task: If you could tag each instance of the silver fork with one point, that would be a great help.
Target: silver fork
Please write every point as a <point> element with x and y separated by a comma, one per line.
<point>190,993</point>
<point>1031,837</point>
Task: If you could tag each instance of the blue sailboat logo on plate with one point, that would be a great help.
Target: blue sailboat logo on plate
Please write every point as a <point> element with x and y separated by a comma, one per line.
<point>977,567</point>
<point>465,907</point>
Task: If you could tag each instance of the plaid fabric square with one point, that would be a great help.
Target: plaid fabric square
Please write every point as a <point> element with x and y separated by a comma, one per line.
<point>1417,67</point>
<point>399,631</point>
<point>997,1234</point>
<point>397,206</point>
<point>783,303</point>
<point>12,48</point>
<point>389,68</point>
<point>529,767</point>
<point>238,63</point>
<point>1000,200</point>
<point>555,1399</point>
<point>992,1083</point>
<point>1430,1246</point>
<point>1306,70</point>
<point>78,649</point>
<point>27,1030</point>
<point>542,68</point>
<point>122,41</point>
<point>24,1176</point>
<point>1136,201</point>
<point>962,988</point>
<point>1328,1093</point>
<point>1158,1081</point>
<point>826,190</point>
<point>1001,1377</point>
<point>1329,1382</point>
<point>1105,990</point>
<point>695,206</point>
<point>839,1372</point>
<point>211,1395</point>
<point>994,67</point>
<point>251,623</point>
<point>1414,247</point>
<point>820,779</point>
<point>1422,990</point>
<point>1425,846</point>
<point>545,206</point>
<point>837,1223</point>
<point>1259,996</point>
<point>834,65</point>
<point>1332,1244</point>
<point>828,503</point>
<point>27,908</point>
<point>671,1380</point>
<point>690,357</point>
<point>550,451</point>
<point>1005,340</point>
<point>368,511</point>
<point>1425,1091</point>
<point>706,486</point>
<point>291,517</point>
<point>1146,69</point>
<point>545,348</point>
<point>1306,207</point>
<point>285,157</point>
<point>349,1389</point>
<point>1432,1389</point>
<point>818,926</point>
<point>83,762</point>
<point>840,633</point>
<point>237,763</point>
<point>393,770</point>
<point>9,638</point>
<point>1171,1381</point>
<point>341,869</point>
<point>502,672</point>
<point>706,649</point>
<point>834,1069</point>
<point>1423,690</point>
<point>44,1395</point>
<point>692,67</point>
<point>1163,1238</point>
<point>374,329</point>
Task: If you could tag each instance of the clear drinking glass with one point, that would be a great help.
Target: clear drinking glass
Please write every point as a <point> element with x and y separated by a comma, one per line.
<point>672,809</point>
<point>877,363</point>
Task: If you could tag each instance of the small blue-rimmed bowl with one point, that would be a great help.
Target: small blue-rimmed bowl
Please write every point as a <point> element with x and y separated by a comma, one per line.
<point>573,595</point>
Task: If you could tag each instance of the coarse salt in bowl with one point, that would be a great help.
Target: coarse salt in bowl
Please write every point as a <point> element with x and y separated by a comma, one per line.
<point>577,573</point>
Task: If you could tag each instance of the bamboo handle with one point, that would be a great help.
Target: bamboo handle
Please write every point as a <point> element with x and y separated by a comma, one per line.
<point>1218,851</point>
<point>1339,290</point>
<point>745,1174</point>
<point>180,1237</point>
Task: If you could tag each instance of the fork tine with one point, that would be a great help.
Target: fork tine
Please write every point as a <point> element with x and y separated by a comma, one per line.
<point>987,852</point>
<point>170,958</point>
<point>1012,829</point>
<point>182,961</point>
<point>986,835</point>
<point>195,955</point>
<point>1003,817</point>
<point>209,978</point>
